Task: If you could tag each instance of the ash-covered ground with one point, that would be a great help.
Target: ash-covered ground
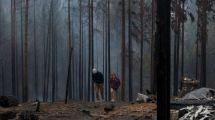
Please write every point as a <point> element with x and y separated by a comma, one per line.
<point>84,111</point>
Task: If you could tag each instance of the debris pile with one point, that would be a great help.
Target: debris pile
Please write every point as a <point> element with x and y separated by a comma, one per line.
<point>147,97</point>
<point>8,101</point>
<point>200,94</point>
<point>141,98</point>
<point>188,85</point>
<point>197,113</point>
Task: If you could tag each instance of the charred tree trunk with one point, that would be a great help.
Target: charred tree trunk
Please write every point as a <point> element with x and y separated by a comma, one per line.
<point>176,47</point>
<point>22,43</point>
<point>81,53</point>
<point>123,61</point>
<point>13,45</point>
<point>141,45</point>
<point>129,52</point>
<point>35,55</point>
<point>182,48</point>
<point>153,75</point>
<point>162,60</point>
<point>204,37</point>
<point>70,87</point>
<point>89,50</point>
<point>202,32</point>
<point>106,50</point>
<point>197,44</point>
<point>108,47</point>
<point>103,35</point>
<point>25,80</point>
<point>54,54</point>
<point>68,76</point>
<point>91,57</point>
<point>48,56</point>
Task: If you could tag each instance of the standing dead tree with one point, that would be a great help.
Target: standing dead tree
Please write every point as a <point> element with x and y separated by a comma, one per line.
<point>129,52</point>
<point>68,76</point>
<point>162,59</point>
<point>13,45</point>
<point>123,61</point>
<point>25,79</point>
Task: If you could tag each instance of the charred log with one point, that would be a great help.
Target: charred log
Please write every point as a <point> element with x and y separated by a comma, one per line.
<point>8,101</point>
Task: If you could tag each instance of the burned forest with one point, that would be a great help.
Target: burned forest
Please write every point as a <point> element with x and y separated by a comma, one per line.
<point>107,60</point>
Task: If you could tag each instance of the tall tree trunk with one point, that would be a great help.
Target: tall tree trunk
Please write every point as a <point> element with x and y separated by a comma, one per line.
<point>197,44</point>
<point>48,56</point>
<point>22,43</point>
<point>141,45</point>
<point>25,80</point>
<point>123,60</point>
<point>81,52</point>
<point>129,52</point>
<point>108,47</point>
<point>176,47</point>
<point>53,54</point>
<point>162,59</point>
<point>69,47</point>
<point>89,49</point>
<point>203,39</point>
<point>44,56</point>
<point>153,75</point>
<point>182,48</point>
<point>106,51</point>
<point>13,45</point>
<point>92,44</point>
<point>35,55</point>
<point>68,75</point>
<point>91,57</point>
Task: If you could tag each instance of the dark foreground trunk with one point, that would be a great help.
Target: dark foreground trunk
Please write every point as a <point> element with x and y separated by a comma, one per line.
<point>162,59</point>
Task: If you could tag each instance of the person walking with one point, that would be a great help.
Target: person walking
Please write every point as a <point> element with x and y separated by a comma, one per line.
<point>114,85</point>
<point>98,80</point>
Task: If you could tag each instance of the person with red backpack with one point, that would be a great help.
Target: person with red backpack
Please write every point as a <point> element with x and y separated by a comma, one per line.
<point>114,85</point>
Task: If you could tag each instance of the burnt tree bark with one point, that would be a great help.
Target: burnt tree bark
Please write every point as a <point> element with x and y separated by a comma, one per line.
<point>176,46</point>
<point>81,52</point>
<point>35,54</point>
<point>70,85</point>
<point>25,79</point>
<point>162,59</point>
<point>68,76</point>
<point>108,47</point>
<point>182,47</point>
<point>202,39</point>
<point>91,57</point>
<point>123,60</point>
<point>141,45</point>
<point>13,45</point>
<point>153,75</point>
<point>129,52</point>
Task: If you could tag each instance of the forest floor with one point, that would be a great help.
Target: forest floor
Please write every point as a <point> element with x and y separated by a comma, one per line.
<point>88,111</point>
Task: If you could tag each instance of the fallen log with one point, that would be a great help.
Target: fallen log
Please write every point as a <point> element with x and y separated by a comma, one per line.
<point>183,103</point>
<point>8,101</point>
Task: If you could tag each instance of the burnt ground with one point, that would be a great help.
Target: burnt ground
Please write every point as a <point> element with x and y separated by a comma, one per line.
<point>87,111</point>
